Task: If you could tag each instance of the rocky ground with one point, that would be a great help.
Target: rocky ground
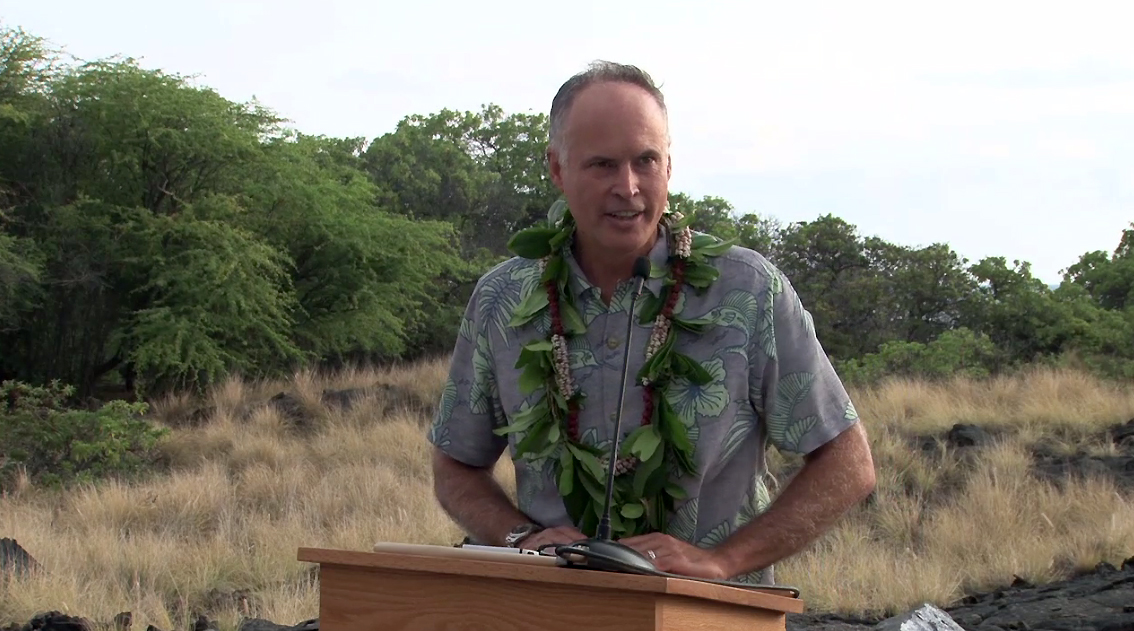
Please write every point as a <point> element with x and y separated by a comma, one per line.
<point>1098,600</point>
<point>1101,600</point>
<point>55,621</point>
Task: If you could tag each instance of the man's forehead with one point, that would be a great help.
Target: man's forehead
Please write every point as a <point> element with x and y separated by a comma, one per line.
<point>585,146</point>
<point>615,98</point>
<point>617,119</point>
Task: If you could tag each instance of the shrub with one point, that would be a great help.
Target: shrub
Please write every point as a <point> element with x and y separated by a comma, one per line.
<point>56,445</point>
<point>953,353</point>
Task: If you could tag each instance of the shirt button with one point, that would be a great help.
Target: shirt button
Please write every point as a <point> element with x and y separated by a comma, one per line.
<point>612,343</point>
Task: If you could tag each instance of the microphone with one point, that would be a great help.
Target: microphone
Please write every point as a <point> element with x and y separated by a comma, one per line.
<point>641,272</point>
<point>601,552</point>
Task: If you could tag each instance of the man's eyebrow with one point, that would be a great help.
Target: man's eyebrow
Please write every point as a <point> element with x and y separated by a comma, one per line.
<point>645,153</point>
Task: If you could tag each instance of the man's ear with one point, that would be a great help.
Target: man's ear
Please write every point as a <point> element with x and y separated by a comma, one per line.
<point>555,168</point>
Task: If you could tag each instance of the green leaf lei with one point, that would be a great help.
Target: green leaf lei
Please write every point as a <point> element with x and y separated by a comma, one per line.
<point>643,495</point>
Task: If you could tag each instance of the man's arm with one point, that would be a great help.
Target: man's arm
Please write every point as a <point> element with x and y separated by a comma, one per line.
<point>806,410</point>
<point>465,448</point>
<point>474,499</point>
<point>833,479</point>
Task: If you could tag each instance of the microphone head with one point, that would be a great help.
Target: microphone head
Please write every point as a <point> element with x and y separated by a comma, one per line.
<point>642,267</point>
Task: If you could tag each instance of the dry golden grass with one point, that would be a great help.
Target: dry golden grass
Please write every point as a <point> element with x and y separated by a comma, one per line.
<point>246,489</point>
<point>943,525</point>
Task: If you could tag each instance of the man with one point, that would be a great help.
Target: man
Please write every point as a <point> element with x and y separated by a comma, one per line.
<point>768,377</point>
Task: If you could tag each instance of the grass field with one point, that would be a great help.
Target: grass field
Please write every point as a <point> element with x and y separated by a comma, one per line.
<point>218,533</point>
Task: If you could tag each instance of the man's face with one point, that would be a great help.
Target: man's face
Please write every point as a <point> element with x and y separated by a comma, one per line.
<point>616,171</point>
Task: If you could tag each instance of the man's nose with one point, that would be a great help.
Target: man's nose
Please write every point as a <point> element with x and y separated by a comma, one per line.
<point>626,181</point>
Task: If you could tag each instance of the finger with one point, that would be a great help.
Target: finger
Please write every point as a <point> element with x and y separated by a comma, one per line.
<point>559,535</point>
<point>642,546</point>
<point>663,563</point>
<point>665,545</point>
<point>650,538</point>
<point>646,543</point>
<point>531,542</point>
<point>539,539</point>
<point>669,557</point>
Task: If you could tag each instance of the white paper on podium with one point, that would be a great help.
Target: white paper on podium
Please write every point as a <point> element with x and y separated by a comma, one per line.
<point>500,549</point>
<point>486,553</point>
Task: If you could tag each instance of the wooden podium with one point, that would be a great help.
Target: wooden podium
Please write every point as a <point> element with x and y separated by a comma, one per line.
<point>438,588</point>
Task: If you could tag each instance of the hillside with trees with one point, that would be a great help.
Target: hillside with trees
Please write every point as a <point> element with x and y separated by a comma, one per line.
<point>156,236</point>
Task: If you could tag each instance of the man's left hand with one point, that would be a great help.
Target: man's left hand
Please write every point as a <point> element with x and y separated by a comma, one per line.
<point>678,557</point>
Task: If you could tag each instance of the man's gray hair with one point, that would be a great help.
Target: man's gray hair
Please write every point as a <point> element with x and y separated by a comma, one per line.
<point>596,72</point>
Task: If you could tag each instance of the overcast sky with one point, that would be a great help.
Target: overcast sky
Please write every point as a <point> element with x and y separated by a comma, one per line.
<point>1001,128</point>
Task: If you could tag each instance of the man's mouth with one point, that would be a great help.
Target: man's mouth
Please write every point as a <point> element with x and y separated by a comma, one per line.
<point>624,214</point>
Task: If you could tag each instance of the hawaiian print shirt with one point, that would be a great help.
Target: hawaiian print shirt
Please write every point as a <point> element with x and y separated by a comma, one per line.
<point>772,383</point>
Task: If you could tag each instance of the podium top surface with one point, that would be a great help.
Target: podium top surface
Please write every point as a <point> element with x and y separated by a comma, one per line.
<point>545,569</point>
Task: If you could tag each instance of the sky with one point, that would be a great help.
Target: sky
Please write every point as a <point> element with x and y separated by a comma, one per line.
<point>1001,128</point>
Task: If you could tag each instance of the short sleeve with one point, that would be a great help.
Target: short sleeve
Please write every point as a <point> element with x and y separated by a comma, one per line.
<point>805,403</point>
<point>469,409</point>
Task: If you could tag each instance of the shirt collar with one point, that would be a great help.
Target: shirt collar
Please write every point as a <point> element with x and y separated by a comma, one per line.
<point>659,262</point>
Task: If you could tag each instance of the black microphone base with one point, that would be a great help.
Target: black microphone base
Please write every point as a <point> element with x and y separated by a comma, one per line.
<point>609,556</point>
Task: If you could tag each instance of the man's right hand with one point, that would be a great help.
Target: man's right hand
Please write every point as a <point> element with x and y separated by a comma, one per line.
<point>557,535</point>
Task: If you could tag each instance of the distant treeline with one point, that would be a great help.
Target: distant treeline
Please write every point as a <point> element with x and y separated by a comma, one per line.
<point>154,235</point>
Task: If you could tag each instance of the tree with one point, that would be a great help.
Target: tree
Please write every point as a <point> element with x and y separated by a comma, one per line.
<point>829,266</point>
<point>26,68</point>
<point>158,235</point>
<point>175,237</point>
<point>1108,280</point>
<point>484,172</point>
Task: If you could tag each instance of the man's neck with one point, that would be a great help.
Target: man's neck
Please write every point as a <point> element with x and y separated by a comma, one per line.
<point>606,269</point>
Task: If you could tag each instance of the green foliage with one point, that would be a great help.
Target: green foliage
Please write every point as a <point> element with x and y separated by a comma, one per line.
<point>483,172</point>
<point>26,65</point>
<point>160,234</point>
<point>216,300</point>
<point>360,282</point>
<point>958,352</point>
<point>56,445</point>
<point>157,234</point>
<point>1109,280</point>
<point>20,271</point>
